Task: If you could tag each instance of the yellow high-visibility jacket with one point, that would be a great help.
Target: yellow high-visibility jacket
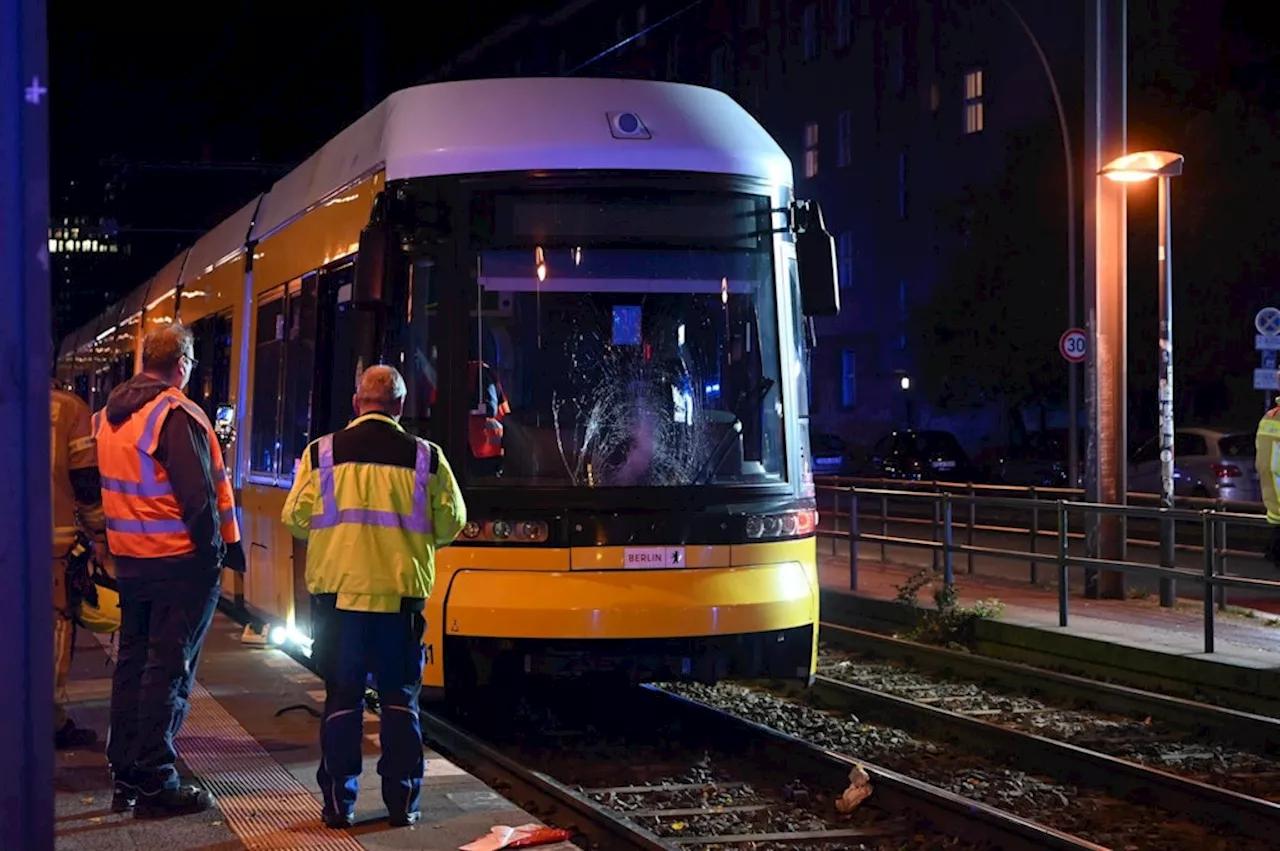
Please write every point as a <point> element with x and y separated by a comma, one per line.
<point>373,503</point>
<point>1267,463</point>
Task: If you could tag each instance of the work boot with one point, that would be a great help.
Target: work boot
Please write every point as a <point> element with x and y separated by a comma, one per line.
<point>178,801</point>
<point>124,792</point>
<point>70,736</point>
<point>404,819</point>
<point>338,821</point>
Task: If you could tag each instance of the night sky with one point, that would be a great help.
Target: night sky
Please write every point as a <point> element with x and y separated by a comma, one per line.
<point>249,81</point>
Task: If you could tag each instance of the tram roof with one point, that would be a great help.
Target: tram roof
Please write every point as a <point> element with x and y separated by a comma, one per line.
<point>531,124</point>
<point>501,125</point>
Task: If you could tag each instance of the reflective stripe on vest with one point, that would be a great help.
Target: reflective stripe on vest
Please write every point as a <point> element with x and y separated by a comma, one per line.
<point>153,484</point>
<point>418,521</point>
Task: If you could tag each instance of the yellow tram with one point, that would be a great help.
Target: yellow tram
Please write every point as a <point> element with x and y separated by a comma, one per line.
<point>598,292</point>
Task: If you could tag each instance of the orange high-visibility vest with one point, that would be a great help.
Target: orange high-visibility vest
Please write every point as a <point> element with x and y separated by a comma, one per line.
<point>485,432</point>
<point>144,519</point>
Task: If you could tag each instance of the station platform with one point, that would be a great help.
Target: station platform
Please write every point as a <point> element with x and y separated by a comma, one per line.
<point>260,767</point>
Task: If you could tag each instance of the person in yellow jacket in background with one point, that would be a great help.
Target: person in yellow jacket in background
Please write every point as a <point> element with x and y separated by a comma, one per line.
<point>77,505</point>
<point>373,503</point>
<point>1267,464</point>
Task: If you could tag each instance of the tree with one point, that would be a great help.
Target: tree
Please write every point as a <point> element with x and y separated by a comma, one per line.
<point>989,330</point>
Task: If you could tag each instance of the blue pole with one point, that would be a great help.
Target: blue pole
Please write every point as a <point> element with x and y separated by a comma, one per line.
<point>26,627</point>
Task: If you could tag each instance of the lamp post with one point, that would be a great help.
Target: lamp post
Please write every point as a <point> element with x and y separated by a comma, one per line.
<point>1137,168</point>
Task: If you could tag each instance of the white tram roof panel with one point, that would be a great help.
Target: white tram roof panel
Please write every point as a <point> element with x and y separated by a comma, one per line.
<point>225,241</point>
<point>528,124</point>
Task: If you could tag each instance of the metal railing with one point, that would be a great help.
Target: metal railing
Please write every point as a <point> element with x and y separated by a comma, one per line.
<point>1210,525</point>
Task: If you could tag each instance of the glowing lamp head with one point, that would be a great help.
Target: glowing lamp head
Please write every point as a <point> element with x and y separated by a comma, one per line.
<point>905,383</point>
<point>278,635</point>
<point>1143,165</point>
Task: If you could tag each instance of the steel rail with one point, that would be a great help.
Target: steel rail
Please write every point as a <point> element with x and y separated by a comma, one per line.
<point>1245,729</point>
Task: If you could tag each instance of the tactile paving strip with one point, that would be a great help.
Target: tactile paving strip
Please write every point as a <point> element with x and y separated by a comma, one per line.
<point>266,807</point>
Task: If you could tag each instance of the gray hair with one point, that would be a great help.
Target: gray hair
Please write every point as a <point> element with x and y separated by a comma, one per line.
<point>163,347</point>
<point>381,385</point>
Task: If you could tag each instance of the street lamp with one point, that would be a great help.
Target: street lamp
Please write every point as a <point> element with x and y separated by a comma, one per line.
<point>1136,168</point>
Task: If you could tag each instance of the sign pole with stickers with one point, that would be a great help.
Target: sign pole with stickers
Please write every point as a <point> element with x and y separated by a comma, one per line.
<point>1267,343</point>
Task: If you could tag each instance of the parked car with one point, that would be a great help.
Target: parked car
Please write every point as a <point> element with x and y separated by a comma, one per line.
<point>1207,462</point>
<point>830,455</point>
<point>922,455</point>
<point>1039,460</point>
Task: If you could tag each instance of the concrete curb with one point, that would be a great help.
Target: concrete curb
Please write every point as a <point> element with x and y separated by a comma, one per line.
<point>1194,677</point>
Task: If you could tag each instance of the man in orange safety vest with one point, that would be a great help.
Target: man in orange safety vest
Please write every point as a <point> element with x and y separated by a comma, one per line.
<point>171,526</point>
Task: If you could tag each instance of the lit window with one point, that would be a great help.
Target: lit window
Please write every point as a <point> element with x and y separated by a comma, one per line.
<point>974,117</point>
<point>844,23</point>
<point>848,378</point>
<point>844,259</point>
<point>809,25</point>
<point>811,149</point>
<point>844,139</point>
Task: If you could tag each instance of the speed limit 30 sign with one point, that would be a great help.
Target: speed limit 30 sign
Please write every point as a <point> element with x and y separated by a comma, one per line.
<point>1071,345</point>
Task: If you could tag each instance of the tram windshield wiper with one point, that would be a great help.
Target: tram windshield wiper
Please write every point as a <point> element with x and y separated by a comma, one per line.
<point>748,399</point>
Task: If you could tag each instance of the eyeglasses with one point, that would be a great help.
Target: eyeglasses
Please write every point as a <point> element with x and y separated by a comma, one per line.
<point>190,360</point>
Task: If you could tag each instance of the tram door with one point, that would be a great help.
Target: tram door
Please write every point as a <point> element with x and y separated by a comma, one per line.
<point>344,338</point>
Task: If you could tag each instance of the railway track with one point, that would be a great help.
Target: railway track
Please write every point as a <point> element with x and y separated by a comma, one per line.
<point>1222,724</point>
<point>1213,762</point>
<point>1087,794</point>
<point>648,769</point>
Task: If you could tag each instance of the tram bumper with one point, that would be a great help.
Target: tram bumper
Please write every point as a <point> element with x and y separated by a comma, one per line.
<point>701,624</point>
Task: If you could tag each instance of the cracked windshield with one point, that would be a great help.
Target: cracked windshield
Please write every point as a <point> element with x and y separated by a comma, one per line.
<point>627,340</point>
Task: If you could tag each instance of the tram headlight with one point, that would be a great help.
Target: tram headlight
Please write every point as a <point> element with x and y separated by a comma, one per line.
<point>531,531</point>
<point>787,524</point>
<point>504,531</point>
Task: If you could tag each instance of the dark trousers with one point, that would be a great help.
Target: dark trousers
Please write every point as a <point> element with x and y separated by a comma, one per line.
<point>163,624</point>
<point>346,648</point>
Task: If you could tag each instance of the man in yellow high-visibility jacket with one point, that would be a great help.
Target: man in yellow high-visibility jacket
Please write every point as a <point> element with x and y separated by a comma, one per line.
<point>1267,463</point>
<point>373,503</point>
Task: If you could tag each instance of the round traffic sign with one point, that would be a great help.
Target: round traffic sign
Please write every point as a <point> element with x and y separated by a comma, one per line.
<point>1071,345</point>
<point>1267,321</point>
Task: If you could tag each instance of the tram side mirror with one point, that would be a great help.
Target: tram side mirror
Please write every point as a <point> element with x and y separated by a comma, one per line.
<point>224,424</point>
<point>371,264</point>
<point>815,261</point>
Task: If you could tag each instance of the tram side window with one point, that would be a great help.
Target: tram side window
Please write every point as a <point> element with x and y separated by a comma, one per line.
<point>122,369</point>
<point>210,385</point>
<point>299,369</point>
<point>264,444</point>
